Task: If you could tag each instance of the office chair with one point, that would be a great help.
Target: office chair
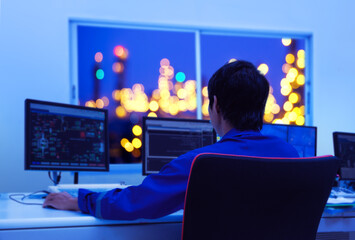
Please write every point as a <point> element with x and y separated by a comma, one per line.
<point>239,197</point>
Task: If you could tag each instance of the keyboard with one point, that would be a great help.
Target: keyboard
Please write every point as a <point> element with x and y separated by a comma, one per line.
<point>342,192</point>
<point>72,189</point>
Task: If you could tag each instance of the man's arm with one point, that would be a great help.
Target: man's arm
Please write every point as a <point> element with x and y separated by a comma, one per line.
<point>158,195</point>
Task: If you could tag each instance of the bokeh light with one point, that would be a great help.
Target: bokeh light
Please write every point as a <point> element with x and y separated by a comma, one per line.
<point>90,103</point>
<point>286,67</point>
<point>153,106</point>
<point>137,130</point>
<point>121,112</point>
<point>106,101</point>
<point>205,91</point>
<point>120,52</point>
<point>129,147</point>
<point>275,109</point>
<point>300,120</point>
<point>156,94</point>
<point>290,58</point>
<point>165,94</point>
<point>136,153</point>
<point>302,108</point>
<point>100,103</point>
<point>163,71</point>
<point>181,93</point>
<point>300,79</point>
<point>269,103</point>
<point>293,98</point>
<point>284,82</point>
<point>286,90</point>
<point>205,109</point>
<point>301,63</point>
<point>301,53</point>
<point>136,142</point>
<point>288,106</point>
<point>138,88</point>
<point>164,62</point>
<point>286,41</point>
<point>180,77</point>
<point>173,109</point>
<point>117,67</point>
<point>277,121</point>
<point>124,141</point>
<point>285,121</point>
<point>268,117</point>
<point>98,57</point>
<point>292,74</point>
<point>232,60</point>
<point>152,114</point>
<point>170,72</point>
<point>292,116</point>
<point>297,110</point>
<point>116,94</point>
<point>182,105</point>
<point>100,74</point>
<point>263,68</point>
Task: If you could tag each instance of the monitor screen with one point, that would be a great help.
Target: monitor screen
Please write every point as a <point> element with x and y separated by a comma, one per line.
<point>164,139</point>
<point>303,138</point>
<point>62,137</point>
<point>344,148</point>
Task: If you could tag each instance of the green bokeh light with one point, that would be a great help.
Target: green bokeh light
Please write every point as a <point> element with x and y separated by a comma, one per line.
<point>100,74</point>
<point>180,77</point>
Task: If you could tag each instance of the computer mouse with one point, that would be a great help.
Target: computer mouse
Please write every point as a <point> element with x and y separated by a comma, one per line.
<point>50,207</point>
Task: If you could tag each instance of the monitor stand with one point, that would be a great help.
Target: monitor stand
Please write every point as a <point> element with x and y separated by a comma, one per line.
<point>76,177</point>
<point>56,178</point>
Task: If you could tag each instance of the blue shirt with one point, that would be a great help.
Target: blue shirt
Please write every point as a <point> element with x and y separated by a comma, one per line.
<point>164,193</point>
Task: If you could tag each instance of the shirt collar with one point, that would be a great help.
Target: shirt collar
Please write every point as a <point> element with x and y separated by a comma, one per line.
<point>233,133</point>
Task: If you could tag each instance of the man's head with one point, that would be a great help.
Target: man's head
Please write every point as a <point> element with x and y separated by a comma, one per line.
<point>241,93</point>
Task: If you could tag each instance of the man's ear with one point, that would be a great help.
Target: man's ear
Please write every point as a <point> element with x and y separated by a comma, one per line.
<point>215,104</point>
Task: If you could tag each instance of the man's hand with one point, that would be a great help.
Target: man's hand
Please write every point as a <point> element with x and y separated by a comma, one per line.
<point>61,201</point>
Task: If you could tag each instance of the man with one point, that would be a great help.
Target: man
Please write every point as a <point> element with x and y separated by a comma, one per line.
<point>237,94</point>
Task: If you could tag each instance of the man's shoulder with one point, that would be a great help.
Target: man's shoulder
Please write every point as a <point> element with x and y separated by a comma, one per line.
<point>281,147</point>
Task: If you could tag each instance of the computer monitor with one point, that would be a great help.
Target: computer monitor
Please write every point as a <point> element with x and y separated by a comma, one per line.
<point>63,137</point>
<point>303,138</point>
<point>164,139</point>
<point>344,148</point>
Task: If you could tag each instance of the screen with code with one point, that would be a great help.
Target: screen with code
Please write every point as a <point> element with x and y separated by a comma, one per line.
<point>164,139</point>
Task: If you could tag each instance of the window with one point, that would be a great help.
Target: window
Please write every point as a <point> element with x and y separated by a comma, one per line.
<point>135,71</point>
<point>281,60</point>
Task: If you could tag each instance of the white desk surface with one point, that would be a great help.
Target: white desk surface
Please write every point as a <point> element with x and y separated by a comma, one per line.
<point>14,215</point>
<point>18,216</point>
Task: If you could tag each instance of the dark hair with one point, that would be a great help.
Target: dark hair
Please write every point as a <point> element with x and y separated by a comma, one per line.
<point>241,91</point>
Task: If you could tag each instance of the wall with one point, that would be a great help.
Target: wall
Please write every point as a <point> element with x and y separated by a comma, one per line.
<point>34,55</point>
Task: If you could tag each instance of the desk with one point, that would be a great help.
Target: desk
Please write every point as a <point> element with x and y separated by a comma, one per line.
<point>337,224</point>
<point>19,221</point>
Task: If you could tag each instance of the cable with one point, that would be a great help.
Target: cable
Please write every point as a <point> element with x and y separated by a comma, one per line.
<point>55,181</point>
<point>50,177</point>
<point>25,196</point>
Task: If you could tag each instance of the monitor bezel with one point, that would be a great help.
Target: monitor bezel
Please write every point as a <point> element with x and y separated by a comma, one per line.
<point>27,166</point>
<point>298,126</point>
<point>337,150</point>
<point>145,173</point>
